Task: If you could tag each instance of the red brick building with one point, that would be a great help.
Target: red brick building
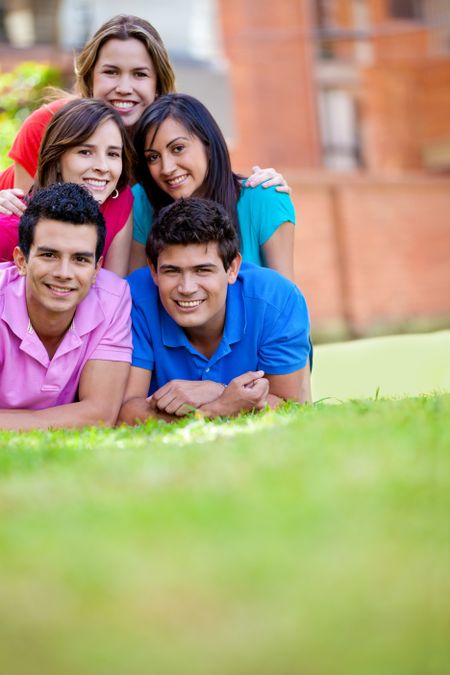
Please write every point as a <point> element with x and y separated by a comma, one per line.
<point>351,98</point>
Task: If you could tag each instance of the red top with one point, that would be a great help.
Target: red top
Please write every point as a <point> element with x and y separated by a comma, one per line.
<point>25,149</point>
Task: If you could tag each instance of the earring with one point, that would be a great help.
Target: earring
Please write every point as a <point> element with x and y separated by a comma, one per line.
<point>115,194</point>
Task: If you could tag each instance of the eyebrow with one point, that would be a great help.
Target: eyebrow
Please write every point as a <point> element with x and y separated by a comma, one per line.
<point>114,65</point>
<point>92,145</point>
<point>194,267</point>
<point>178,138</point>
<point>47,249</point>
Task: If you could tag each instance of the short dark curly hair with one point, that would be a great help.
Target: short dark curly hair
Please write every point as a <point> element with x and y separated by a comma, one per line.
<point>193,221</point>
<point>65,202</point>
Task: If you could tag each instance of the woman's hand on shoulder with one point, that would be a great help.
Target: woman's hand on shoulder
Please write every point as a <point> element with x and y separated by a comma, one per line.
<point>11,201</point>
<point>268,178</point>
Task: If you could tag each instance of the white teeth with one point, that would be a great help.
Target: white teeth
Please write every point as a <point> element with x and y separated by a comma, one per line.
<point>60,289</point>
<point>177,180</point>
<point>189,303</point>
<point>123,105</point>
<point>94,182</point>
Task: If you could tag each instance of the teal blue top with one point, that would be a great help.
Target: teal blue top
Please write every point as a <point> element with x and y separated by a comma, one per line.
<point>260,211</point>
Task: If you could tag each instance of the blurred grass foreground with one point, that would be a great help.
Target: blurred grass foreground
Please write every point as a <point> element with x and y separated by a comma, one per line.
<point>312,540</point>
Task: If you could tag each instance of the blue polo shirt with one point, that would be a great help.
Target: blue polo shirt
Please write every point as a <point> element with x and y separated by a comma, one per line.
<point>266,328</point>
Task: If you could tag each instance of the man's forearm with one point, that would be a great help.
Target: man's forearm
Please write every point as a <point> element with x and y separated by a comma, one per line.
<point>137,410</point>
<point>246,392</point>
<point>71,415</point>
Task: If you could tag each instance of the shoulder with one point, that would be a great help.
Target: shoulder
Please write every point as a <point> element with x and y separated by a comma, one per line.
<point>9,220</point>
<point>264,208</point>
<point>262,195</point>
<point>266,286</point>
<point>141,201</point>
<point>138,191</point>
<point>42,116</point>
<point>144,298</point>
<point>114,206</point>
<point>8,274</point>
<point>141,283</point>
<point>110,288</point>
<point>10,282</point>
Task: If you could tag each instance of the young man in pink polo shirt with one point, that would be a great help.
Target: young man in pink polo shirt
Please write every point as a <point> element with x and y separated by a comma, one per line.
<point>65,342</point>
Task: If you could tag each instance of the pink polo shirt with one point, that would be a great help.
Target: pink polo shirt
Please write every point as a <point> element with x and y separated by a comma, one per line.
<point>101,329</point>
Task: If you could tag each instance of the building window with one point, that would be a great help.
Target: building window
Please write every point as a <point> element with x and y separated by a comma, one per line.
<point>3,37</point>
<point>406,9</point>
<point>339,128</point>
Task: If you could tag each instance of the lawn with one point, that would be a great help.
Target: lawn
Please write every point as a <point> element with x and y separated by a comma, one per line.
<point>312,540</point>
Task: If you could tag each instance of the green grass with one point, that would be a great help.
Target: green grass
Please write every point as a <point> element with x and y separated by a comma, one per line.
<point>308,541</point>
<point>394,365</point>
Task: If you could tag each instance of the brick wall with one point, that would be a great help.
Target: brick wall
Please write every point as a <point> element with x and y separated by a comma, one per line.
<point>269,50</point>
<point>373,255</point>
<point>404,107</point>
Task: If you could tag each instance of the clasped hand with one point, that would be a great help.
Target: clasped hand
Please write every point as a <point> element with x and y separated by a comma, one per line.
<point>179,397</point>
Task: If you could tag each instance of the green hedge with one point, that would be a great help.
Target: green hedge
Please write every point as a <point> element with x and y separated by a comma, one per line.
<point>21,91</point>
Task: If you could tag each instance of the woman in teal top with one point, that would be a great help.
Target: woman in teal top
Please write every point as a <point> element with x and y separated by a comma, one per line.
<point>182,152</point>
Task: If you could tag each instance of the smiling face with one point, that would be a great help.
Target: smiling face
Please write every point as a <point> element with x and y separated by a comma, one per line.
<point>193,285</point>
<point>96,163</point>
<point>176,159</point>
<point>124,77</point>
<point>60,269</point>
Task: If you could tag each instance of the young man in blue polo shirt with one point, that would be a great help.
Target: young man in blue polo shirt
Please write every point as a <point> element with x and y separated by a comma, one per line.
<point>208,332</point>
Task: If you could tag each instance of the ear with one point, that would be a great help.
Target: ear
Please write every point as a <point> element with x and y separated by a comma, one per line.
<point>153,272</point>
<point>20,261</point>
<point>233,270</point>
<point>98,266</point>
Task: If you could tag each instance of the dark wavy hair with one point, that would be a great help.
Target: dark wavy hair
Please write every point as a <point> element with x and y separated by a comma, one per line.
<point>221,184</point>
<point>67,203</point>
<point>193,221</point>
<point>72,125</point>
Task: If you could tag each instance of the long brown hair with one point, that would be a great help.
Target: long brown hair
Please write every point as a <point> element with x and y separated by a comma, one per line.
<point>71,126</point>
<point>124,27</point>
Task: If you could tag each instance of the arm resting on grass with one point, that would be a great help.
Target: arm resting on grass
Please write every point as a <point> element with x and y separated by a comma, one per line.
<point>179,397</point>
<point>101,389</point>
<point>173,400</point>
<point>135,407</point>
<point>248,391</point>
<point>294,386</point>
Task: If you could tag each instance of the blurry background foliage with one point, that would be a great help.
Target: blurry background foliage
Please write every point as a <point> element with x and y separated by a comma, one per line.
<point>21,91</point>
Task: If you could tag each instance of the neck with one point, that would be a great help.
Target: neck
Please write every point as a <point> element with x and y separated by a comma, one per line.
<point>51,330</point>
<point>205,339</point>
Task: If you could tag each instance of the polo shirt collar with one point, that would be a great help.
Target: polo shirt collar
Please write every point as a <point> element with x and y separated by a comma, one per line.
<point>235,324</point>
<point>89,314</point>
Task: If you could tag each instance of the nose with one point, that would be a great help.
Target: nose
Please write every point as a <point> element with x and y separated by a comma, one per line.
<point>101,163</point>
<point>123,85</point>
<point>168,164</point>
<point>187,284</point>
<point>63,270</point>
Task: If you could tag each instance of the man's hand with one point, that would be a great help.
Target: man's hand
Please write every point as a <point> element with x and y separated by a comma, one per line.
<point>11,201</point>
<point>246,392</point>
<point>179,397</point>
